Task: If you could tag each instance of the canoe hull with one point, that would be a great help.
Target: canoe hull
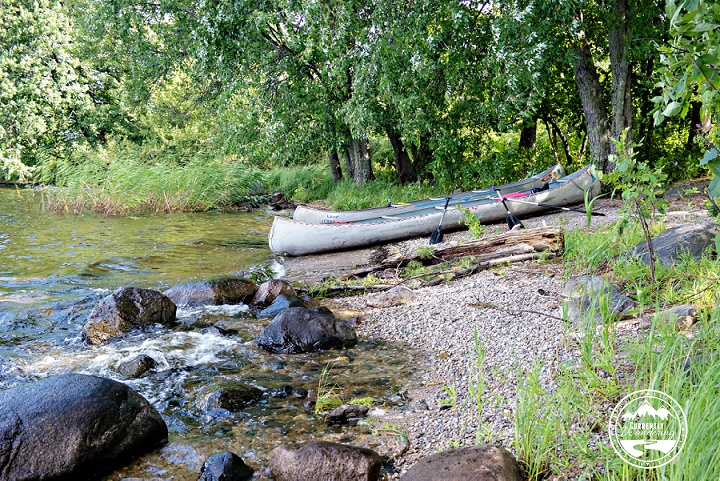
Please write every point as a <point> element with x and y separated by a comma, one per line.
<point>295,238</point>
<point>321,216</point>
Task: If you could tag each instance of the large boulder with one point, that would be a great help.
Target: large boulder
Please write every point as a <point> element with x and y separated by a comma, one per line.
<point>73,426</point>
<point>593,294</point>
<point>225,466</point>
<point>325,460</point>
<point>473,463</point>
<point>126,309</point>
<point>213,293</point>
<point>299,329</point>
<point>268,291</point>
<point>669,246</point>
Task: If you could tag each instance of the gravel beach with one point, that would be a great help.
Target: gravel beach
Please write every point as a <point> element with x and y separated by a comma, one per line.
<point>515,311</point>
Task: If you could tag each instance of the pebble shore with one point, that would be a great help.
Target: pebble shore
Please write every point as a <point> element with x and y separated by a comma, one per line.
<point>516,311</point>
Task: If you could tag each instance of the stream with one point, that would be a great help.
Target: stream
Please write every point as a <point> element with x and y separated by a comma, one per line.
<point>54,268</point>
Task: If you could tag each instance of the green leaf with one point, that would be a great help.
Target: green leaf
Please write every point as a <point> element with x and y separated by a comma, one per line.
<point>672,109</point>
<point>709,155</point>
<point>714,187</point>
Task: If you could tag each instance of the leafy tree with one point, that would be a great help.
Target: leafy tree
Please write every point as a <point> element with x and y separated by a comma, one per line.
<point>690,73</point>
<point>45,90</point>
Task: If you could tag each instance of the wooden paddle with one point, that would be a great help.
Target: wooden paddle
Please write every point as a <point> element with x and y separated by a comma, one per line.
<point>436,237</point>
<point>511,220</point>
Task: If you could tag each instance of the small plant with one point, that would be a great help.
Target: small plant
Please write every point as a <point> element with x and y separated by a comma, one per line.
<point>472,222</point>
<point>641,188</point>
<point>328,397</point>
<point>451,400</point>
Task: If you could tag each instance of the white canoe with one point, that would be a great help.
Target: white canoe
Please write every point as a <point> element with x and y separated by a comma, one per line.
<point>295,238</point>
<point>321,216</point>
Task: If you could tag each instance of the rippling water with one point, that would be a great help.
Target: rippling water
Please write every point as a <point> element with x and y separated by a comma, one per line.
<point>55,268</point>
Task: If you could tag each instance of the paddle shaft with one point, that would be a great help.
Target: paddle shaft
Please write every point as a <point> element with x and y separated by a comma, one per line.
<point>442,217</point>
<point>569,209</point>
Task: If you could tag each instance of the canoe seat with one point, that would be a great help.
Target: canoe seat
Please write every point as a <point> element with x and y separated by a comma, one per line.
<point>390,217</point>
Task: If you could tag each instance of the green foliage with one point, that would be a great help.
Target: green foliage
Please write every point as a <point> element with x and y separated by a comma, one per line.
<point>642,189</point>
<point>471,222</point>
<point>690,72</point>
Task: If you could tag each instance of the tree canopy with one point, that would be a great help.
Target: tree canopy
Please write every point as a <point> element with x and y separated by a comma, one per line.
<point>278,82</point>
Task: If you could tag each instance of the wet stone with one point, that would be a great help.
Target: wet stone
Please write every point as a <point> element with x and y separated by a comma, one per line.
<point>229,396</point>
<point>225,466</point>
<point>281,302</point>
<point>136,366</point>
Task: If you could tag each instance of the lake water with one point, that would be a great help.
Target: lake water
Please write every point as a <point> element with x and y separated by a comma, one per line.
<point>54,268</point>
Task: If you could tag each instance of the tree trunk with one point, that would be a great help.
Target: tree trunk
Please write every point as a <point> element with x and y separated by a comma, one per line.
<point>335,169</point>
<point>695,125</point>
<point>422,156</point>
<point>349,165</point>
<point>558,132</point>
<point>528,135</point>
<point>647,124</point>
<point>621,95</point>
<point>359,156</point>
<point>403,166</point>
<point>591,96</point>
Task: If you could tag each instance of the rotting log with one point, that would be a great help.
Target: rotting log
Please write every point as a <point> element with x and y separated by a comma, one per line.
<point>511,246</point>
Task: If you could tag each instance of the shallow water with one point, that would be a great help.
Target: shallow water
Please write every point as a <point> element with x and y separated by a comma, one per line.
<point>55,268</point>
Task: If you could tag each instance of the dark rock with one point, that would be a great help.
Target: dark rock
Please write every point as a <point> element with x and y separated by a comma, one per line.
<point>322,460</point>
<point>232,396</point>
<point>584,294</point>
<point>268,291</point>
<point>126,309</point>
<point>225,466</point>
<point>342,414</point>
<point>281,303</point>
<point>669,246</point>
<point>298,329</point>
<point>474,463</point>
<point>136,366</point>
<point>323,310</point>
<point>74,426</point>
<point>213,293</point>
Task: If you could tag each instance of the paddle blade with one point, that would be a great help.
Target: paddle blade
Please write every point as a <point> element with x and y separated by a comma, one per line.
<point>436,236</point>
<point>513,222</point>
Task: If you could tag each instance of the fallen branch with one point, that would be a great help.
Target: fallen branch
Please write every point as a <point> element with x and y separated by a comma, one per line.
<point>499,247</point>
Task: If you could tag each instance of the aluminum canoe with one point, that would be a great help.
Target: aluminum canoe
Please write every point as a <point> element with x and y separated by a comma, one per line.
<point>295,238</point>
<point>321,216</point>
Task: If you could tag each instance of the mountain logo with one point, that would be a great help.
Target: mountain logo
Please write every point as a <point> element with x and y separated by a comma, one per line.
<point>647,429</point>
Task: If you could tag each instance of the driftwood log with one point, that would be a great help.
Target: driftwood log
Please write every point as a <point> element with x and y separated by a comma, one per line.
<point>512,246</point>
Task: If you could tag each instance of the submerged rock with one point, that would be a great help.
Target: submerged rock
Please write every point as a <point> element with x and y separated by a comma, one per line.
<point>322,460</point>
<point>270,290</point>
<point>126,309</point>
<point>473,463</point>
<point>232,396</point>
<point>225,466</point>
<point>74,426</point>
<point>298,330</point>
<point>213,293</point>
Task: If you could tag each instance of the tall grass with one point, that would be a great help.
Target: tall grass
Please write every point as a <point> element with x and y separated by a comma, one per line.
<point>562,430</point>
<point>102,182</point>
